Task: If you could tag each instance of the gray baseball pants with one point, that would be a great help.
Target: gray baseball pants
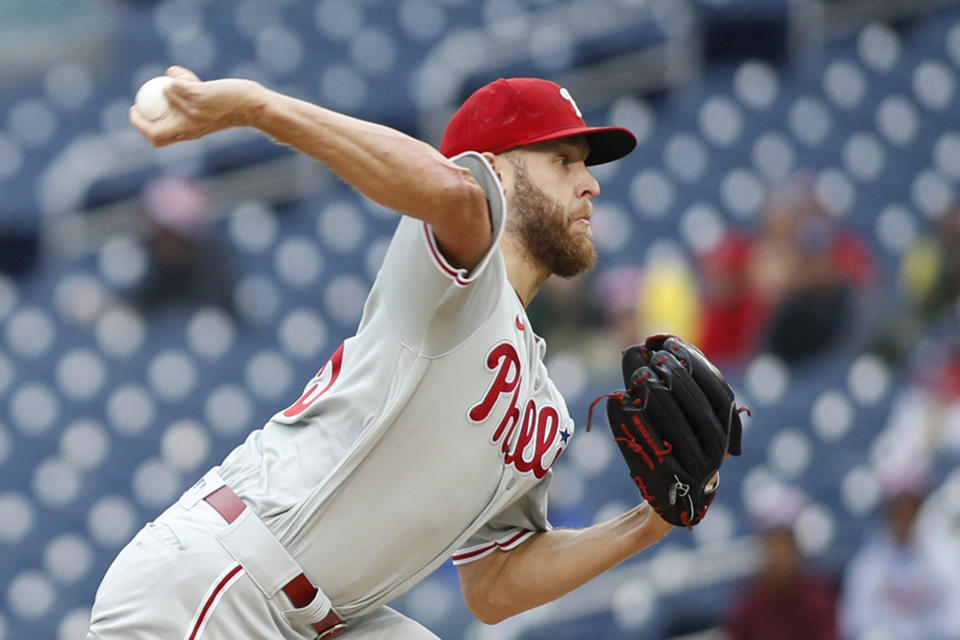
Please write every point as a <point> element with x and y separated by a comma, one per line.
<point>175,581</point>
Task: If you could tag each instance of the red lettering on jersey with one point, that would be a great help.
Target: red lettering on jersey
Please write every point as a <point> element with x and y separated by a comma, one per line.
<point>513,452</point>
<point>548,424</point>
<point>526,438</point>
<point>503,358</point>
<point>313,392</point>
<point>509,422</point>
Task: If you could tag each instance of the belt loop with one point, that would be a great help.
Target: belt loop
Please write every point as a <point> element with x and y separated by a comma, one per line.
<point>210,482</point>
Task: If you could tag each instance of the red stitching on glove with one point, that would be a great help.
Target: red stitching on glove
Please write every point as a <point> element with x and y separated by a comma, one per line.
<point>643,377</point>
<point>643,489</point>
<point>634,446</point>
<point>660,453</point>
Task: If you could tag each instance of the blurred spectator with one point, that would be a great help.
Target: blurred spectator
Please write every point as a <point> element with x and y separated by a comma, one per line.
<point>810,271</point>
<point>564,309</point>
<point>923,424</point>
<point>185,266</point>
<point>929,284</point>
<point>929,273</point>
<point>903,583</point>
<point>668,297</point>
<point>570,318</point>
<point>785,601</point>
<point>617,292</point>
<point>735,314</point>
<point>606,311</point>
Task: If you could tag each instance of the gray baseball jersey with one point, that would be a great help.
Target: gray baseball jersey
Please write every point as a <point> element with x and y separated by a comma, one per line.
<point>429,433</point>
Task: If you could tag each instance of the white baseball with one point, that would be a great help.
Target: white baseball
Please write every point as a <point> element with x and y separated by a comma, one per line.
<point>150,99</point>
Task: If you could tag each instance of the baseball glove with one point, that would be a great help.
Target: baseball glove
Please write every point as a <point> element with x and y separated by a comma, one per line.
<point>675,422</point>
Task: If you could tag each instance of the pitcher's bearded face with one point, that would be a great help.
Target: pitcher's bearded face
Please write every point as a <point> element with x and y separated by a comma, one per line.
<point>559,239</point>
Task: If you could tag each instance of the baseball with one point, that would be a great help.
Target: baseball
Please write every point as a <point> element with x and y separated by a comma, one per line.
<point>150,99</point>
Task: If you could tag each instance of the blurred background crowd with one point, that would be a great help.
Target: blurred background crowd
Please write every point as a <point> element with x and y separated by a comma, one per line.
<point>792,208</point>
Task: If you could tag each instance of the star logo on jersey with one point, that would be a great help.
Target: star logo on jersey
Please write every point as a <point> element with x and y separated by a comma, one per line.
<point>564,436</point>
<point>520,324</point>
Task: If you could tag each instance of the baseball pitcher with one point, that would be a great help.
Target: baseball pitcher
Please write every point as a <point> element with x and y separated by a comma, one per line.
<point>431,432</point>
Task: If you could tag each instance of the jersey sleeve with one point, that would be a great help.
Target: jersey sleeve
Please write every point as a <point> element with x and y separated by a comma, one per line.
<point>511,527</point>
<point>485,176</point>
<point>433,305</point>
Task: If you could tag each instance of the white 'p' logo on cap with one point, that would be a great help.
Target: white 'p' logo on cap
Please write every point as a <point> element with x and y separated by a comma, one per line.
<point>569,98</point>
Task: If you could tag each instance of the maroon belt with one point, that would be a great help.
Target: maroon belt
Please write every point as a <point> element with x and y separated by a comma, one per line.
<point>300,590</point>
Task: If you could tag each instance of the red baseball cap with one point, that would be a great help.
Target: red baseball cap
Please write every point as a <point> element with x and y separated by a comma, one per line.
<point>514,112</point>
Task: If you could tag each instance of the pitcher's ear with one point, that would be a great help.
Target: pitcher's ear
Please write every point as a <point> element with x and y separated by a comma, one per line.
<point>496,162</point>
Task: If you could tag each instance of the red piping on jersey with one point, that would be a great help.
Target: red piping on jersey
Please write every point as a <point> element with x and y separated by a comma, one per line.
<point>489,547</point>
<point>475,552</point>
<point>454,274</point>
<point>209,602</point>
<point>509,542</point>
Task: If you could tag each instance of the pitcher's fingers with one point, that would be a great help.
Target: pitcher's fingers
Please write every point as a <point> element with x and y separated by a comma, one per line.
<point>182,73</point>
<point>157,132</point>
<point>140,122</point>
<point>181,94</point>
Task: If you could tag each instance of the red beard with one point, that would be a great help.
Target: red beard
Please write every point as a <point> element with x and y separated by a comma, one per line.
<point>547,232</point>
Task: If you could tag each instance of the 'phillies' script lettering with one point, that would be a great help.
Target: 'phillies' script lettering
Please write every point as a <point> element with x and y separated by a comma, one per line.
<point>526,435</point>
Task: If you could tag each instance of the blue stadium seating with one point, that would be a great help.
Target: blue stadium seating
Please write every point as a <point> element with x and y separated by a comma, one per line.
<point>108,413</point>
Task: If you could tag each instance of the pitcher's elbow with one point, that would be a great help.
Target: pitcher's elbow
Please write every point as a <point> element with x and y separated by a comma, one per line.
<point>489,615</point>
<point>489,611</point>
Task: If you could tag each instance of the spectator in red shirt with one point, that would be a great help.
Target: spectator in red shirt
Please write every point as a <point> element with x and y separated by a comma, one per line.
<point>814,273</point>
<point>785,601</point>
<point>734,311</point>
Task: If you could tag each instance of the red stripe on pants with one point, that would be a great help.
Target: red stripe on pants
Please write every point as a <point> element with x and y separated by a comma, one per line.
<point>209,603</point>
